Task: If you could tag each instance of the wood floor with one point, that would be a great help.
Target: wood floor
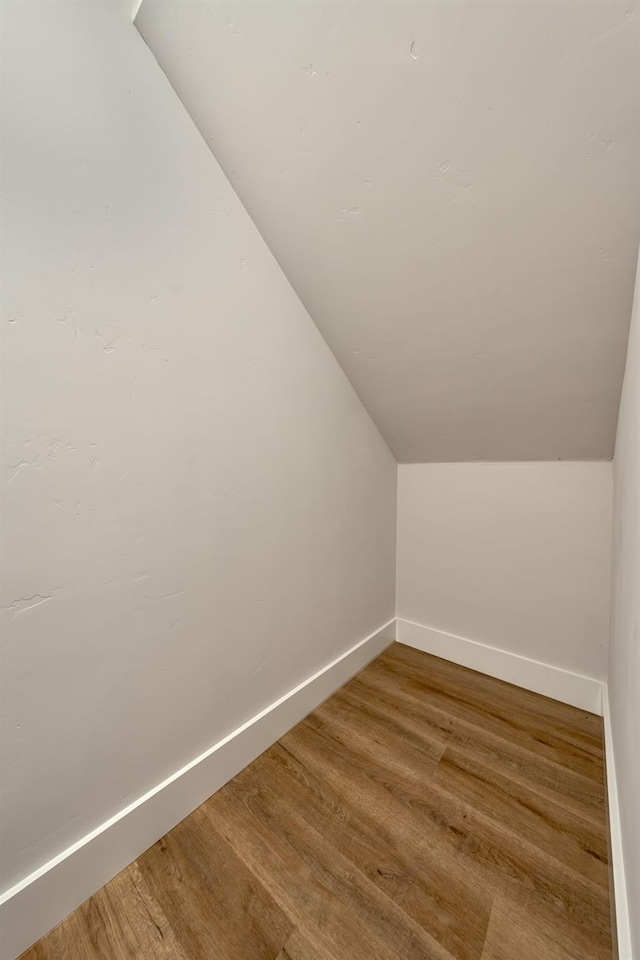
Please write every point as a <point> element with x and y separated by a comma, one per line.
<point>424,812</point>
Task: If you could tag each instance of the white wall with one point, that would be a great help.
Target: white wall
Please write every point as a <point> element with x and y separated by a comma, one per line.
<point>514,555</point>
<point>624,654</point>
<point>198,511</point>
<point>452,188</point>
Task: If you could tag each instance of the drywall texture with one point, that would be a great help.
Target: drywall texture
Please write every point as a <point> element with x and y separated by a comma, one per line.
<point>514,555</point>
<point>624,653</point>
<point>453,190</point>
<point>198,511</point>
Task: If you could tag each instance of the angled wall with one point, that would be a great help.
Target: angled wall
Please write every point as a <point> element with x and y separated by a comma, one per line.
<point>452,188</point>
<point>198,511</point>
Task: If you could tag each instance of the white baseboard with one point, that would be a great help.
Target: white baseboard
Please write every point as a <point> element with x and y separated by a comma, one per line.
<point>574,688</point>
<point>623,926</point>
<point>36,904</point>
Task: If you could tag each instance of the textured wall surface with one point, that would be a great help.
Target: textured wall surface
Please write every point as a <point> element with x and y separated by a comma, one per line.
<point>452,188</point>
<point>198,513</point>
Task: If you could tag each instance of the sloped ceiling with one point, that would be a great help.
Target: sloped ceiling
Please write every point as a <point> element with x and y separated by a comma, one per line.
<point>452,188</point>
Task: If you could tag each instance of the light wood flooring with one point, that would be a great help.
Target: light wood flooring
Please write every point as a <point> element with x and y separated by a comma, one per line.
<point>424,812</point>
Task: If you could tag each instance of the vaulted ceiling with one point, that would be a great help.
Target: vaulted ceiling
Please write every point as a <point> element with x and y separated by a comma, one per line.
<point>453,189</point>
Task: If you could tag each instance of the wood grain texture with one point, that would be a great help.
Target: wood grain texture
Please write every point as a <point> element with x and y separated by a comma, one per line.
<point>424,812</point>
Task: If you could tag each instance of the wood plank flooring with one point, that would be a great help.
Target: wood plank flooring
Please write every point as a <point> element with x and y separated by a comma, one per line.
<point>424,812</point>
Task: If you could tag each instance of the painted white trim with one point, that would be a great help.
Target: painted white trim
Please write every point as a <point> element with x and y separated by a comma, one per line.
<point>623,926</point>
<point>33,906</point>
<point>574,688</point>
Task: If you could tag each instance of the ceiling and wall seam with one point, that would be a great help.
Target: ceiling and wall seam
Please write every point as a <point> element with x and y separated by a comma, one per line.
<point>137,5</point>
